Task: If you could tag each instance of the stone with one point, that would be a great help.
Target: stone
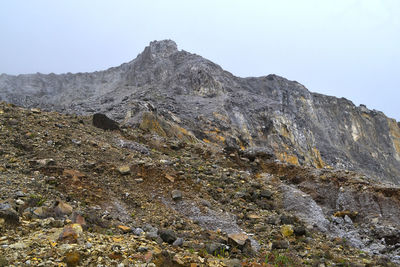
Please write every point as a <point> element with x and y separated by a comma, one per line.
<point>124,229</point>
<point>79,219</point>
<point>167,235</point>
<point>9,215</point>
<point>170,178</point>
<point>19,202</point>
<point>138,231</point>
<point>287,230</point>
<point>285,219</point>
<point>41,212</point>
<point>103,122</point>
<point>347,220</point>
<point>143,249</point>
<point>299,230</point>
<point>176,195</point>
<point>216,249</point>
<point>280,244</point>
<point>42,162</point>
<point>238,238</point>
<point>266,194</point>
<point>71,233</point>
<point>152,235</point>
<point>178,242</point>
<point>19,245</point>
<point>19,194</point>
<point>62,208</point>
<point>72,258</point>
<point>253,216</point>
<point>233,263</point>
<point>124,170</point>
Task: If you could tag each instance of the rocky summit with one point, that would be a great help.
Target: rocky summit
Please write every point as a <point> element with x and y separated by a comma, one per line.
<point>169,160</point>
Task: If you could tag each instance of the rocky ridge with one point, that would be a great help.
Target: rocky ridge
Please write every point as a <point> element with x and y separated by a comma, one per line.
<point>198,99</point>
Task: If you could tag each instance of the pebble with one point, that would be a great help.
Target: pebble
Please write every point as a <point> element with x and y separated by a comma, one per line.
<point>19,194</point>
<point>20,202</point>
<point>138,231</point>
<point>287,230</point>
<point>176,195</point>
<point>238,238</point>
<point>124,170</point>
<point>143,249</point>
<point>167,235</point>
<point>280,244</point>
<point>178,242</point>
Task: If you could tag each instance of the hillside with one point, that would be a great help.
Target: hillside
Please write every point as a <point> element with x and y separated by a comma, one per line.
<point>269,113</point>
<point>79,195</point>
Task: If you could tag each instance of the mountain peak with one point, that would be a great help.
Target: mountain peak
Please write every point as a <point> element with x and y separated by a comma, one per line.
<point>163,47</point>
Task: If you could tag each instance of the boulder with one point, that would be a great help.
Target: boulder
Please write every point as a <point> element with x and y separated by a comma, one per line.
<point>103,122</point>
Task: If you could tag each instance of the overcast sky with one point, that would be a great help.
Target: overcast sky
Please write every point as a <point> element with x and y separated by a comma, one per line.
<point>345,48</point>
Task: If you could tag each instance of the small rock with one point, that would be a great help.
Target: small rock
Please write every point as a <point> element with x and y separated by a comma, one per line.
<point>124,229</point>
<point>9,215</point>
<point>167,235</point>
<point>19,194</point>
<point>41,212</point>
<point>42,162</point>
<point>19,245</point>
<point>176,195</point>
<point>19,202</point>
<point>138,231</point>
<point>215,248</point>
<point>62,208</point>
<point>238,239</point>
<point>170,178</point>
<point>72,258</point>
<point>266,194</point>
<point>287,219</point>
<point>151,235</point>
<point>88,245</point>
<point>347,219</point>
<point>253,216</point>
<point>150,228</point>
<point>124,170</point>
<point>280,244</point>
<point>143,249</point>
<point>233,263</point>
<point>271,220</point>
<point>178,242</point>
<point>77,218</point>
<point>299,230</point>
<point>287,230</point>
<point>71,233</point>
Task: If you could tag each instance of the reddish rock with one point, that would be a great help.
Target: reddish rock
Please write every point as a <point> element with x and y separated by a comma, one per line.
<point>70,233</point>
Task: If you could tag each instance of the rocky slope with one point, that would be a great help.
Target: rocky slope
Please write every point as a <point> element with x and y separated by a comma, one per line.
<point>196,98</point>
<point>73,194</point>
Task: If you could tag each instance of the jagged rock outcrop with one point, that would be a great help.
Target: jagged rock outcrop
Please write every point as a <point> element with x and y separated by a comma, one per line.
<point>198,99</point>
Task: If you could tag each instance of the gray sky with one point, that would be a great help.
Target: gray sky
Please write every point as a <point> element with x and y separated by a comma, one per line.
<point>348,48</point>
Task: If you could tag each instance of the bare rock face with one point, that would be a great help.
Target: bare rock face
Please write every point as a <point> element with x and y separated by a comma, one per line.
<point>191,97</point>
